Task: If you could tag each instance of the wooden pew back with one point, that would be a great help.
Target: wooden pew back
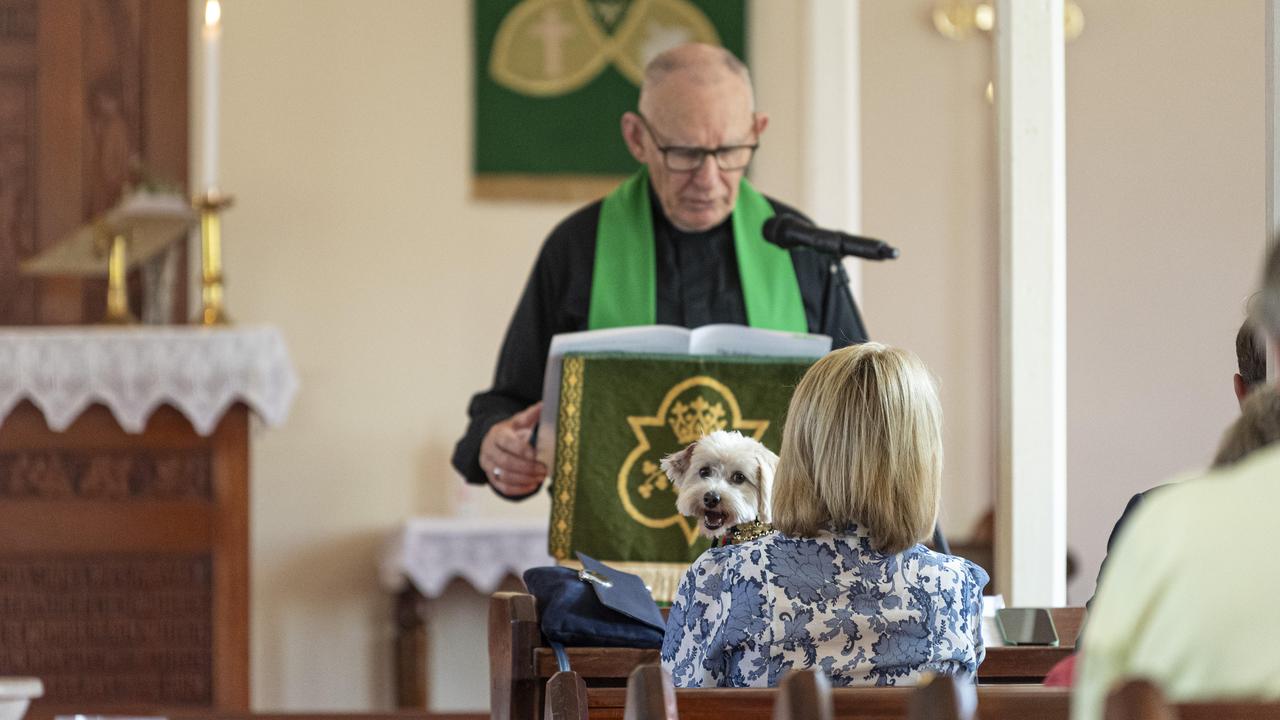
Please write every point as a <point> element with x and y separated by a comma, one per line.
<point>650,695</point>
<point>995,702</point>
<point>805,695</point>
<point>520,666</point>
<point>566,697</point>
<point>942,698</point>
<point>515,690</point>
<point>1143,700</point>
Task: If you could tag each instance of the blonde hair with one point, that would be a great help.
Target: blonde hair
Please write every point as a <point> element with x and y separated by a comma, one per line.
<point>862,443</point>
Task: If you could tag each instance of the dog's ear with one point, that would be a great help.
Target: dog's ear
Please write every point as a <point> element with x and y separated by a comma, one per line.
<point>766,464</point>
<point>767,461</point>
<point>676,464</point>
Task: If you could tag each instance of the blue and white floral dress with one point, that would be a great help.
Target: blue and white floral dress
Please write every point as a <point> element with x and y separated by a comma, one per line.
<point>747,613</point>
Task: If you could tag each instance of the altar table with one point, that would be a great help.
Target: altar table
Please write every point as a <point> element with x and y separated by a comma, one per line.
<point>424,555</point>
<point>124,509</point>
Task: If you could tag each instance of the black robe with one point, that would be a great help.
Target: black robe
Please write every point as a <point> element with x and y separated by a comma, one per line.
<point>698,284</point>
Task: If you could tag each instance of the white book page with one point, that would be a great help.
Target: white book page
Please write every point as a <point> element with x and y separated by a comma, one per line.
<point>657,339</point>
<point>728,339</point>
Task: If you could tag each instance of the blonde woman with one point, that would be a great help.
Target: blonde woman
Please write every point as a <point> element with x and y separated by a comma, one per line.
<point>843,583</point>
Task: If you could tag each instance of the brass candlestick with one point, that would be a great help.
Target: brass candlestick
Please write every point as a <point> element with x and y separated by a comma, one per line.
<point>142,225</point>
<point>210,205</point>
<point>117,289</point>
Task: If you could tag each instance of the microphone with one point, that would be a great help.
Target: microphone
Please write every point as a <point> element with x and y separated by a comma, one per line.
<point>788,231</point>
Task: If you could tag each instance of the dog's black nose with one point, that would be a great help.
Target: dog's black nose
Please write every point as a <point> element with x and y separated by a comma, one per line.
<point>711,499</point>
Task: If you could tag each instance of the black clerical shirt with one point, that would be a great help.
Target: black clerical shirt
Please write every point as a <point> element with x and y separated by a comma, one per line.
<point>697,284</point>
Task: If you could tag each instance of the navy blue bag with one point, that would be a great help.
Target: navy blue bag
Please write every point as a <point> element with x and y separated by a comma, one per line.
<point>597,606</point>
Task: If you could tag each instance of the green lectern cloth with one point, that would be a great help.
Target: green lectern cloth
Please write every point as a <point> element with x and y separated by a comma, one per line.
<point>620,415</point>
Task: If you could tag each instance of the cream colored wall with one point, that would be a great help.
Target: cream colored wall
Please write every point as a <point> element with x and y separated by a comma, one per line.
<point>346,140</point>
<point>1165,209</point>
<point>1164,235</point>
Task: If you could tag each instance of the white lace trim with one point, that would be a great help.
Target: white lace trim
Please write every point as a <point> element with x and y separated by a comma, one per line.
<point>430,552</point>
<point>132,371</point>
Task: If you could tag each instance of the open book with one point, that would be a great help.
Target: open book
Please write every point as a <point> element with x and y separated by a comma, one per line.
<point>725,339</point>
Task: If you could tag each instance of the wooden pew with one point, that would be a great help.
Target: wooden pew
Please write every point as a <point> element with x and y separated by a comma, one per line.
<point>566,697</point>
<point>515,692</point>
<point>1003,664</point>
<point>804,695</point>
<point>1142,700</point>
<point>88,710</point>
<point>520,665</point>
<point>1137,700</point>
<point>650,695</point>
<point>942,698</point>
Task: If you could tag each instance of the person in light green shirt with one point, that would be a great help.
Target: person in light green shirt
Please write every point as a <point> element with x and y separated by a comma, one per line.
<point>1188,598</point>
<point>1185,601</point>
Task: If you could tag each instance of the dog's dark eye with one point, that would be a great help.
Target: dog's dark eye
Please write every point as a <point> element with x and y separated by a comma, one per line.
<point>738,478</point>
<point>705,472</point>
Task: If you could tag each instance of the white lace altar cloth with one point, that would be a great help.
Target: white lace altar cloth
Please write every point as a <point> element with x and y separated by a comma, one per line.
<point>198,371</point>
<point>430,552</point>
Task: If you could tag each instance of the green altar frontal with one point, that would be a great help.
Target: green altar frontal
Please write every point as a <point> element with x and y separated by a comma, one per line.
<point>619,415</point>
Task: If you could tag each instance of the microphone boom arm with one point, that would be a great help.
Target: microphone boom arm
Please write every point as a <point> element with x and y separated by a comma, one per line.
<point>788,231</point>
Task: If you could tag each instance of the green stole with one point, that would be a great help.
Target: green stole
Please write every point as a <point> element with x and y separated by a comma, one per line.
<point>623,287</point>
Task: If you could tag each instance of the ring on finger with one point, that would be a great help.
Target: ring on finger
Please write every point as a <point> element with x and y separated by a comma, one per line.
<point>497,472</point>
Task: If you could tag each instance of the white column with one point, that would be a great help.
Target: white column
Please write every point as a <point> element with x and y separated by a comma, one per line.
<point>1273,117</point>
<point>832,158</point>
<point>1031,495</point>
<point>1272,225</point>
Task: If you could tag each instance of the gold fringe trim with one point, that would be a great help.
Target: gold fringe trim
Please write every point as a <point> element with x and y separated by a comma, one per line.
<point>546,187</point>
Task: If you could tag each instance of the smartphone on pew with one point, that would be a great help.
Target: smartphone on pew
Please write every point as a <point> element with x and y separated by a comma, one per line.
<point>1026,626</point>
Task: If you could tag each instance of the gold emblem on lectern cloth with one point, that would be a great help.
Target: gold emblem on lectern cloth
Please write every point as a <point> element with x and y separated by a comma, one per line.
<point>690,409</point>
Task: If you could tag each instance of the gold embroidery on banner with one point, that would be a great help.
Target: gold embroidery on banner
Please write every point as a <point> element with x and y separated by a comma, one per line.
<point>545,48</point>
<point>688,415</point>
<point>698,418</point>
<point>569,429</point>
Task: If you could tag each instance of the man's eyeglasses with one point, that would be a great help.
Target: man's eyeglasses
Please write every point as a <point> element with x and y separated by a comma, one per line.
<point>687,159</point>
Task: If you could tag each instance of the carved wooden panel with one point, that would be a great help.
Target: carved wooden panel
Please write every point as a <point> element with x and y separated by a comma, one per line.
<point>61,474</point>
<point>18,22</point>
<point>110,628</point>
<point>112,99</point>
<point>90,90</point>
<point>124,561</point>
<point>112,96</point>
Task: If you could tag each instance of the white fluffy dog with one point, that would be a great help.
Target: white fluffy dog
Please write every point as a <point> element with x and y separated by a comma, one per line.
<point>725,479</point>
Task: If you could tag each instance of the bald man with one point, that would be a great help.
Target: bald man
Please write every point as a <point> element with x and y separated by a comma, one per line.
<point>679,243</point>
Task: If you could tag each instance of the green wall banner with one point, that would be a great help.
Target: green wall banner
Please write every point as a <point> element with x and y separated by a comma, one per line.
<point>553,77</point>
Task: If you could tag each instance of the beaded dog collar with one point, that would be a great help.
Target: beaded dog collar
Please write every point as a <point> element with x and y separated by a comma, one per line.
<point>746,532</point>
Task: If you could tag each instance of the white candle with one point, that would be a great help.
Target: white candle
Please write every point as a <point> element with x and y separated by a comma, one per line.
<point>212,38</point>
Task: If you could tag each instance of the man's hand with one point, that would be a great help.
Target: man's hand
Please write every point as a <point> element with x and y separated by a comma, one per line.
<point>507,457</point>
